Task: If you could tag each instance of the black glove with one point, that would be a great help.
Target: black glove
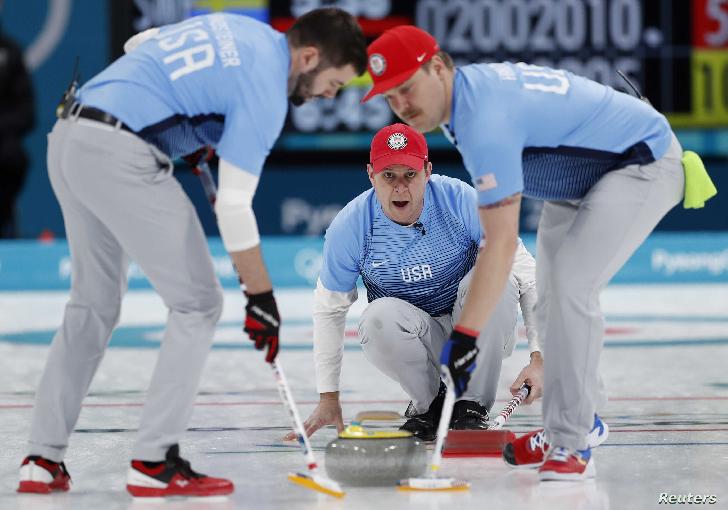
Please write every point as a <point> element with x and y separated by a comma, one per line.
<point>262,322</point>
<point>459,356</point>
<point>202,154</point>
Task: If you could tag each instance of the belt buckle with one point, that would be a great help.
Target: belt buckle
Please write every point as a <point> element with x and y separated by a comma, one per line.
<point>75,110</point>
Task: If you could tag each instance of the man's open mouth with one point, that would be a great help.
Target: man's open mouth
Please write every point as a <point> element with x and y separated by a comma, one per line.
<point>400,203</point>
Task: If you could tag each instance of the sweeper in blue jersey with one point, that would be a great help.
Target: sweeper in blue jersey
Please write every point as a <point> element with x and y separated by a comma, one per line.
<point>221,80</point>
<point>608,167</point>
<point>413,238</point>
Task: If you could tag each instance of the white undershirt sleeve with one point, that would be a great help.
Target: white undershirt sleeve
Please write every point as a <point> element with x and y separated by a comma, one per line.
<point>139,38</point>
<point>524,270</point>
<point>234,207</point>
<point>329,322</point>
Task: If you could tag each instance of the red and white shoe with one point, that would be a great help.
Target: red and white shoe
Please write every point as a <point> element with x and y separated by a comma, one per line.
<point>526,452</point>
<point>569,465</point>
<point>529,450</point>
<point>173,477</point>
<point>43,476</point>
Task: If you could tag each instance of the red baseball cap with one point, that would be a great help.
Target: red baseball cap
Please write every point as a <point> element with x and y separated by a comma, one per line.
<point>398,144</point>
<point>396,55</point>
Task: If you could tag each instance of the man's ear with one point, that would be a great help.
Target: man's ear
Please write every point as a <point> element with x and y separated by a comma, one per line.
<point>428,171</point>
<point>308,58</point>
<point>437,65</point>
<point>370,173</point>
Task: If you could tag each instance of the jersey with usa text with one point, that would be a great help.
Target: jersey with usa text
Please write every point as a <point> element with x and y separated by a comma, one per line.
<point>219,80</point>
<point>546,132</point>
<point>422,264</point>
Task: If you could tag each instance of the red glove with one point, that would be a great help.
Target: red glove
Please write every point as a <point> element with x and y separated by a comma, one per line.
<point>262,322</point>
<point>204,154</point>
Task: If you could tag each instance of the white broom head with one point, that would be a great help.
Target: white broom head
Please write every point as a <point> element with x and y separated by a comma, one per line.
<point>433,484</point>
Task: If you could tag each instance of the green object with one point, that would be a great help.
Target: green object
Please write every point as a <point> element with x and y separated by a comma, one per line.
<point>699,188</point>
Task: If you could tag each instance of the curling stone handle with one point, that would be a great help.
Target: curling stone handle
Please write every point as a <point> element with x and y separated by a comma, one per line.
<point>375,416</point>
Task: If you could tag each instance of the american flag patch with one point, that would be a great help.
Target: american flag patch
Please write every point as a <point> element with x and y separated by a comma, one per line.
<point>486,182</point>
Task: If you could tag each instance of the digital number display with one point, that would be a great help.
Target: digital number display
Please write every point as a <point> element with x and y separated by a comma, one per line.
<point>676,52</point>
<point>590,38</point>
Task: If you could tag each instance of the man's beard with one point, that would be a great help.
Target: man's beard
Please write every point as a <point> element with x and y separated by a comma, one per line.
<point>302,89</point>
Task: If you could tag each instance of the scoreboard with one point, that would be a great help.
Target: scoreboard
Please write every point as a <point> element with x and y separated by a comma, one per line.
<point>675,51</point>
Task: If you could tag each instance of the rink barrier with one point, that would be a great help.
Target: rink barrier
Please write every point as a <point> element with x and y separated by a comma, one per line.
<point>698,257</point>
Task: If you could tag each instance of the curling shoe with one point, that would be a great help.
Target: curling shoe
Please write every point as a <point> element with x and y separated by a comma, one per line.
<point>43,476</point>
<point>172,477</point>
<point>424,426</point>
<point>563,464</point>
<point>529,450</point>
<point>469,415</point>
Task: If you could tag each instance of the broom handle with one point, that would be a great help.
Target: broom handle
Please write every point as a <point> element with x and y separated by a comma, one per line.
<point>285,390</point>
<point>202,170</point>
<point>507,411</point>
<point>444,424</point>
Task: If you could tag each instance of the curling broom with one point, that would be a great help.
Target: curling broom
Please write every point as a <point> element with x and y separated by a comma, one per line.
<point>310,479</point>
<point>431,482</point>
<point>485,443</point>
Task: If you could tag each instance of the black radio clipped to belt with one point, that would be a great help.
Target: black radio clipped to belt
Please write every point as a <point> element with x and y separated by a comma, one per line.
<point>69,106</point>
<point>69,95</point>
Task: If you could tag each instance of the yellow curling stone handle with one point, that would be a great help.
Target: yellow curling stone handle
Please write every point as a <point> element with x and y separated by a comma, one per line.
<point>356,431</point>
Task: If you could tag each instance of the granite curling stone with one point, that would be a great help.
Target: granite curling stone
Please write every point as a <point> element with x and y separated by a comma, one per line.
<point>361,457</point>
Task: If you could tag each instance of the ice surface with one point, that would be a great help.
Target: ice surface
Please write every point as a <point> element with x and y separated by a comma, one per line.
<point>664,365</point>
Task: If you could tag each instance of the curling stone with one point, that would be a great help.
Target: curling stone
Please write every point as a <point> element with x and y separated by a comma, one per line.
<point>361,457</point>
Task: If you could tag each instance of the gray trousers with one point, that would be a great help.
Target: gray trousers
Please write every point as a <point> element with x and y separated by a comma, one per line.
<point>120,202</point>
<point>580,246</point>
<point>404,342</point>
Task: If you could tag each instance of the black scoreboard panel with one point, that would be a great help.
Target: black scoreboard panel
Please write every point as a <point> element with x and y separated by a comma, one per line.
<point>675,51</point>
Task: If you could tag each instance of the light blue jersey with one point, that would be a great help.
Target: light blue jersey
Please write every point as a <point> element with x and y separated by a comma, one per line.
<point>219,79</point>
<point>547,133</point>
<point>422,264</point>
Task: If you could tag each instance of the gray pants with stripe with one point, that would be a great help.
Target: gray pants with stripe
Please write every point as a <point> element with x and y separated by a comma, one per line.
<point>120,202</point>
<point>581,245</point>
<point>404,342</point>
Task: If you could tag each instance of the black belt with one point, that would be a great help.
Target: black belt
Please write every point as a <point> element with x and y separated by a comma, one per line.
<point>89,112</point>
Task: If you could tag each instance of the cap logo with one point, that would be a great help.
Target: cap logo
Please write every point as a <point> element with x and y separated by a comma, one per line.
<point>378,64</point>
<point>397,141</point>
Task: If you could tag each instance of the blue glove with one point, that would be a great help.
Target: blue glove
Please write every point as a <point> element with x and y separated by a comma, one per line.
<point>459,356</point>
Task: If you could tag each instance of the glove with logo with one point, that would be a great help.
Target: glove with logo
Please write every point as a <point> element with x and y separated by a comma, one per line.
<point>459,356</point>
<point>262,322</point>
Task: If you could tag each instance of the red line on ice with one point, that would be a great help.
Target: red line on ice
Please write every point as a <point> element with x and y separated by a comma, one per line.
<point>314,402</point>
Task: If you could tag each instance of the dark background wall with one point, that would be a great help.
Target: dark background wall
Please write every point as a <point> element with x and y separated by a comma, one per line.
<point>318,165</point>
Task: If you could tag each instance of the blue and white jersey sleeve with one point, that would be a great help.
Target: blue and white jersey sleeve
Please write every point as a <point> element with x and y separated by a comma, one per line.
<point>336,290</point>
<point>254,122</point>
<point>547,132</point>
<point>469,212</point>
<point>218,80</point>
<point>243,142</point>
<point>490,142</point>
<point>343,245</point>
